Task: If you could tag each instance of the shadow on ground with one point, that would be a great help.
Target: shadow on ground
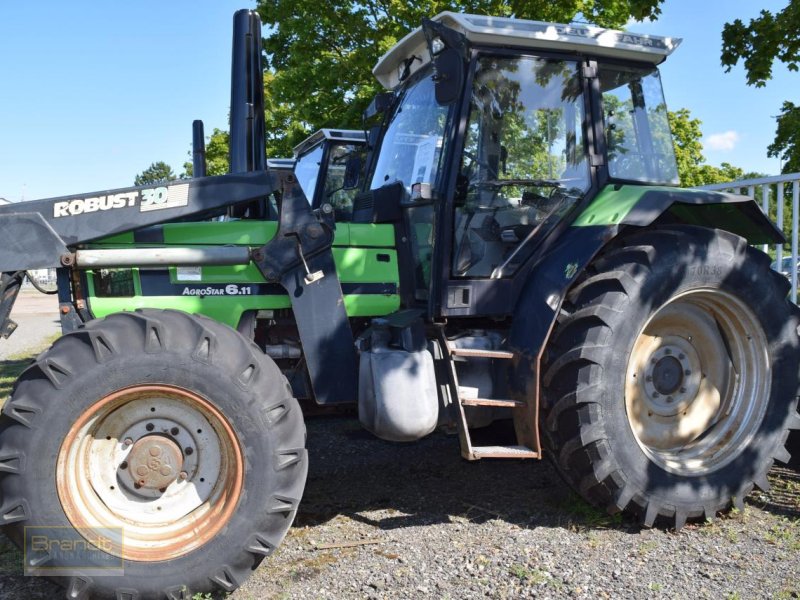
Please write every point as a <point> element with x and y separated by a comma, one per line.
<point>354,474</point>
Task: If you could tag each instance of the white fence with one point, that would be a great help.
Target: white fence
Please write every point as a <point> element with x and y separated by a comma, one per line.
<point>778,196</point>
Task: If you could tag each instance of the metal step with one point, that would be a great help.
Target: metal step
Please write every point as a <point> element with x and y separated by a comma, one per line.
<point>503,452</point>
<point>491,402</point>
<point>476,353</point>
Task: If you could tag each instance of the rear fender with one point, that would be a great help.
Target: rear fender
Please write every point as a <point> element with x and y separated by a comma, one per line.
<point>615,208</point>
<point>641,206</point>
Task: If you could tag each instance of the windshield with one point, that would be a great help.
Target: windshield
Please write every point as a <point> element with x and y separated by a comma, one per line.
<point>412,146</point>
<point>524,162</point>
<point>638,137</point>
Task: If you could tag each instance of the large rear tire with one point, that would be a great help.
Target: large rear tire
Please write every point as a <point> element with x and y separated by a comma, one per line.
<point>169,427</point>
<point>671,379</point>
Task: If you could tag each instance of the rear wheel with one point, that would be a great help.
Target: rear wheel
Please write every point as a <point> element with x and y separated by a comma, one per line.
<point>672,376</point>
<point>168,428</point>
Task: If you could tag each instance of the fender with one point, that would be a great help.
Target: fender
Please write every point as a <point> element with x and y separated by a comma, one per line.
<point>614,208</point>
<point>641,206</point>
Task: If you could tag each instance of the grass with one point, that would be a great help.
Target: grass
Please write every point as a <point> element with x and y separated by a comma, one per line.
<point>10,558</point>
<point>584,515</point>
<point>785,533</point>
<point>529,576</point>
<point>13,366</point>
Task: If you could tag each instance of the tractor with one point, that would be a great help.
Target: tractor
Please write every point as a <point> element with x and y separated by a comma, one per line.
<point>518,250</point>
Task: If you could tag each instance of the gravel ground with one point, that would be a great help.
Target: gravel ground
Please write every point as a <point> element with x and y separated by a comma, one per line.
<point>37,319</point>
<point>382,520</point>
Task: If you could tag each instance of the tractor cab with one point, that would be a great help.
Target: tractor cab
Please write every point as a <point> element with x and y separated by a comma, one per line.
<point>329,165</point>
<point>499,132</point>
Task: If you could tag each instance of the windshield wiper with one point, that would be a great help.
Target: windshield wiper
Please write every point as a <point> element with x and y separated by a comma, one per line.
<point>498,183</point>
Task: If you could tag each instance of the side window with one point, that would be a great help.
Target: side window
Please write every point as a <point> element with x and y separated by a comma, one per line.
<point>638,137</point>
<point>335,193</point>
<point>307,171</point>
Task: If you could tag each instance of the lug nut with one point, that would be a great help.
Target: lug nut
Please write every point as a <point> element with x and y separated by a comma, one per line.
<point>683,390</point>
<point>183,475</point>
<point>127,441</point>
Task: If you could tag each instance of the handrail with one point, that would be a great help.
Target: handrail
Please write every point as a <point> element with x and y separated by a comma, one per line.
<point>770,189</point>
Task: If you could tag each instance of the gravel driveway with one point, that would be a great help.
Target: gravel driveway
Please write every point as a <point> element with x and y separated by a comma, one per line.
<point>382,520</point>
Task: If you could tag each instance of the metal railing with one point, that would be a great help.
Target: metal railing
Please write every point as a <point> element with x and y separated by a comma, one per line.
<point>778,195</point>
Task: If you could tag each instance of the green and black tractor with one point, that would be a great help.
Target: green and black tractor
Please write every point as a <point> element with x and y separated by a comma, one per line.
<point>517,248</point>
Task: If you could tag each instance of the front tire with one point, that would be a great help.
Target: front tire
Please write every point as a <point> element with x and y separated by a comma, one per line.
<point>671,379</point>
<point>169,427</point>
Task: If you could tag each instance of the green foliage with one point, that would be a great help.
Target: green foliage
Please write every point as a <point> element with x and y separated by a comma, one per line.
<point>692,167</point>
<point>320,55</point>
<point>762,41</point>
<point>768,38</point>
<point>217,148</point>
<point>158,172</point>
<point>787,138</point>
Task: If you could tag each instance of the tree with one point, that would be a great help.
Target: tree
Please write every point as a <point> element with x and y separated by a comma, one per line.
<point>217,150</point>
<point>787,138</point>
<point>692,167</point>
<point>321,54</point>
<point>158,172</point>
<point>759,44</point>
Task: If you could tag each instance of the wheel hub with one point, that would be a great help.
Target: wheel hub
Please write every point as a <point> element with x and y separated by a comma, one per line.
<point>154,462</point>
<point>159,462</point>
<point>667,375</point>
<point>671,375</point>
<point>697,381</point>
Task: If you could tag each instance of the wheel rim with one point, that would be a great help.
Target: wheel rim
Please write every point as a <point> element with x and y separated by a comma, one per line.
<point>698,382</point>
<point>157,461</point>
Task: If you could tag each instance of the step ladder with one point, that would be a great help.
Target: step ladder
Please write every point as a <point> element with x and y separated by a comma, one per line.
<point>526,418</point>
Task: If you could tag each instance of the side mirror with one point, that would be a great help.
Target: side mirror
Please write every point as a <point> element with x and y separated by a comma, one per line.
<point>449,75</point>
<point>380,104</point>
<point>352,172</point>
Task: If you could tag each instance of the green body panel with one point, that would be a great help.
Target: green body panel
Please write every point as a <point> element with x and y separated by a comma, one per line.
<point>640,205</point>
<point>611,205</point>
<point>251,233</point>
<point>363,253</point>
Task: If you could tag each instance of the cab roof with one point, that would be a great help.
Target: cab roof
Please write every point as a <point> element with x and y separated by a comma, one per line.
<point>354,136</point>
<point>521,33</point>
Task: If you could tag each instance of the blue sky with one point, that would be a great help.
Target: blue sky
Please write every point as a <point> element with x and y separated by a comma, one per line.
<point>92,93</point>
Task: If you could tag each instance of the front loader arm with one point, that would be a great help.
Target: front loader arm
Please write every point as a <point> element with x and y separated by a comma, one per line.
<point>37,234</point>
<point>48,233</point>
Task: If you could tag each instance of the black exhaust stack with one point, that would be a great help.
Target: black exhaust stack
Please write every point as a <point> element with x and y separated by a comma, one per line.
<point>247,141</point>
<point>198,149</point>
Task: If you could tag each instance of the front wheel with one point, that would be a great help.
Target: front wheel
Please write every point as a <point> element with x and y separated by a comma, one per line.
<point>671,380</point>
<point>168,441</point>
